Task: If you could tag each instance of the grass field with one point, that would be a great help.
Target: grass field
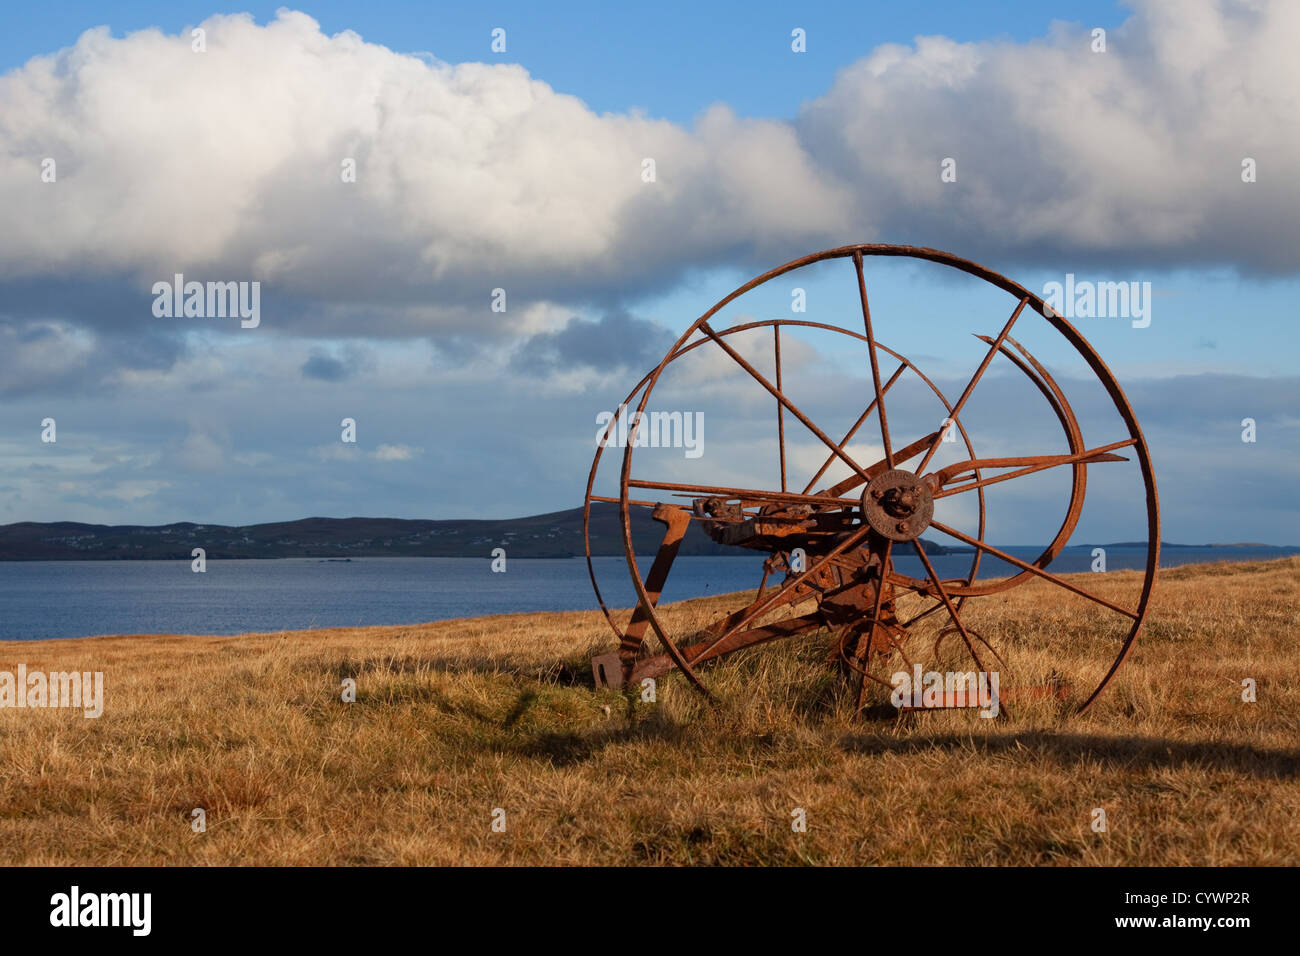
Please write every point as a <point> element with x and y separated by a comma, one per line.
<point>455,719</point>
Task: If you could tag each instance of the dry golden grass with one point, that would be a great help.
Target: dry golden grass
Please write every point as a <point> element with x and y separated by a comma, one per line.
<point>457,718</point>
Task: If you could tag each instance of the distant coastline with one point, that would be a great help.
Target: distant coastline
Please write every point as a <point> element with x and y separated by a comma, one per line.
<point>556,534</point>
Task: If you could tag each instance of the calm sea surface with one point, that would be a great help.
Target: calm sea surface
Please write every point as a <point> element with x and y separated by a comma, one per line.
<point>48,599</point>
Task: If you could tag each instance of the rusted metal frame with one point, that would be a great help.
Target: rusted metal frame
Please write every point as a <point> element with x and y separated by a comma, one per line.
<point>661,664</point>
<point>830,460</point>
<point>1065,328</point>
<point>675,524</point>
<point>979,373</point>
<point>614,501</point>
<point>875,363</point>
<point>766,604</point>
<point>737,618</point>
<point>1033,464</point>
<point>754,494</point>
<point>679,349</point>
<point>704,519</point>
<point>777,394</point>
<point>755,635</point>
<point>913,449</point>
<point>780,409</point>
<point>1047,575</point>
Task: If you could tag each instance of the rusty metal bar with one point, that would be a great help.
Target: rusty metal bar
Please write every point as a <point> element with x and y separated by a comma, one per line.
<point>1010,559</point>
<point>1034,464</point>
<point>776,392</point>
<point>875,363</point>
<point>780,410</point>
<point>830,459</point>
<point>979,373</point>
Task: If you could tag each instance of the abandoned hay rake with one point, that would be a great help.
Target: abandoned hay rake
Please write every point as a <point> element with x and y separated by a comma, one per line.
<point>837,545</point>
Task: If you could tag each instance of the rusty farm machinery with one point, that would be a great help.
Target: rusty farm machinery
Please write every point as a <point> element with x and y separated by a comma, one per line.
<point>832,548</point>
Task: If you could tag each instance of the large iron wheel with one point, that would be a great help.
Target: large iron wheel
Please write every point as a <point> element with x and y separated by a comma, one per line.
<point>857,527</point>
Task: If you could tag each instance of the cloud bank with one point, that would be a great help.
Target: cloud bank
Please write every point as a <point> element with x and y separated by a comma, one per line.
<point>230,163</point>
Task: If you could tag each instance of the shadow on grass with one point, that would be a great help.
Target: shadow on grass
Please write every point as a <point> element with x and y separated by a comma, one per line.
<point>567,749</point>
<point>1144,753</point>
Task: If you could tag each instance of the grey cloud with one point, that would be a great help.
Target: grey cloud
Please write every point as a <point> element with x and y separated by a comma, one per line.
<point>337,366</point>
<point>68,358</point>
<point>615,341</point>
<point>325,368</point>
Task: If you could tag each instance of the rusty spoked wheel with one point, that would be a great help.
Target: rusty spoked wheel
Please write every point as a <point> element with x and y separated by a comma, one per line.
<point>839,545</point>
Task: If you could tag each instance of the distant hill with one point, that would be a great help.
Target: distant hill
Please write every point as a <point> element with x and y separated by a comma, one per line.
<point>554,535</point>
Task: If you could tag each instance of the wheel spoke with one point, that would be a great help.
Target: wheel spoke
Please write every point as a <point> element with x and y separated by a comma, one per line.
<point>830,459</point>
<point>864,654</point>
<point>1034,569</point>
<point>780,397</point>
<point>952,611</point>
<point>780,409</point>
<point>979,373</point>
<point>875,363</point>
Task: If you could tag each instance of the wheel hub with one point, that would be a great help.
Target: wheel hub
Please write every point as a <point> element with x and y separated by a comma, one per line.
<point>898,505</point>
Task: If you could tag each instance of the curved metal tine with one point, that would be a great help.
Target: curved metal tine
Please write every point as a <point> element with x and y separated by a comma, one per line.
<point>875,362</point>
<point>938,604</point>
<point>975,634</point>
<point>1024,565</point>
<point>979,373</point>
<point>866,672</point>
<point>1035,372</point>
<point>777,394</point>
<point>952,612</point>
<point>1087,456</point>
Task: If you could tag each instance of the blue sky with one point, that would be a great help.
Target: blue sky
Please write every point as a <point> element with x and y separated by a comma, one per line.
<point>480,170</point>
<point>671,60</point>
